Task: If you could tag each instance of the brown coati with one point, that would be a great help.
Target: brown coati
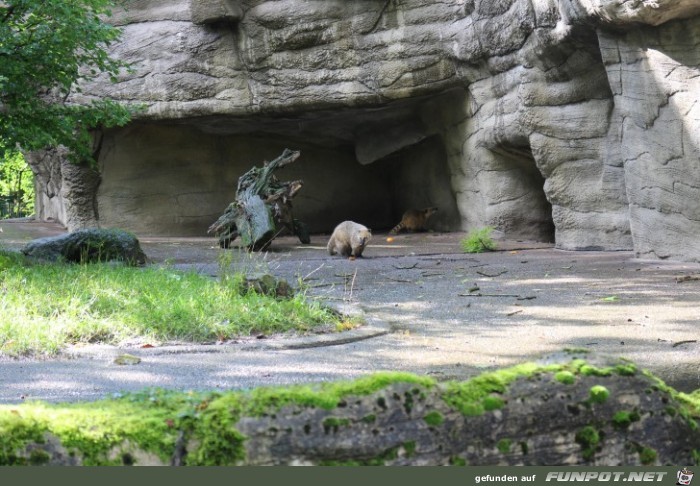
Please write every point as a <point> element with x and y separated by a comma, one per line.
<point>349,239</point>
<point>414,220</point>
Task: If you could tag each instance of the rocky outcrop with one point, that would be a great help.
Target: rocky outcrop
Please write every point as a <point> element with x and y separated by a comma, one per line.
<point>565,120</point>
<point>653,75</point>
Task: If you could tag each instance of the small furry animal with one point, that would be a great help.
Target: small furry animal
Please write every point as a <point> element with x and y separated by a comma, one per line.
<point>349,239</point>
<point>414,220</point>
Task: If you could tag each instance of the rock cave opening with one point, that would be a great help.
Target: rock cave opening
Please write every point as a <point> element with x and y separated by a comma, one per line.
<point>367,165</point>
<point>523,211</point>
<point>417,177</point>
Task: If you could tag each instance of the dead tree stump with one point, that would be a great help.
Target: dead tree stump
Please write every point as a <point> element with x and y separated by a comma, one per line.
<point>262,208</point>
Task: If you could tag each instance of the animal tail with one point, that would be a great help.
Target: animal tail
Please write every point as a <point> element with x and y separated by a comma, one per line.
<point>396,228</point>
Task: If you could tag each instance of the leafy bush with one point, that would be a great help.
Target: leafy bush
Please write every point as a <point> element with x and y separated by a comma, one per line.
<point>478,241</point>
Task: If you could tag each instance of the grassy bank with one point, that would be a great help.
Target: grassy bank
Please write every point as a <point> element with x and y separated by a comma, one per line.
<point>46,307</point>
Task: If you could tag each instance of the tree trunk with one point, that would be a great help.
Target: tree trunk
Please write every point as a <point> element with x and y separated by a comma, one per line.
<point>79,189</point>
<point>66,191</point>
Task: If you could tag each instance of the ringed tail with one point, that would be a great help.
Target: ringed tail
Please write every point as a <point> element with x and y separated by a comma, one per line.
<point>396,228</point>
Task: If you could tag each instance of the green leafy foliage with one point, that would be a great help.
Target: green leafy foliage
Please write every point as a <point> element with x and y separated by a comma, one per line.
<point>46,49</point>
<point>478,241</point>
<point>16,186</point>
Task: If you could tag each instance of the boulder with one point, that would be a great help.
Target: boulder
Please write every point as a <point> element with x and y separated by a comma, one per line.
<point>88,246</point>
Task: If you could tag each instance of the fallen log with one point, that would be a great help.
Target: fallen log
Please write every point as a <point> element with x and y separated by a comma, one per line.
<point>563,414</point>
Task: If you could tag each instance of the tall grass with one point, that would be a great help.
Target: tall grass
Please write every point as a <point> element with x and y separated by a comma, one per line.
<point>45,307</point>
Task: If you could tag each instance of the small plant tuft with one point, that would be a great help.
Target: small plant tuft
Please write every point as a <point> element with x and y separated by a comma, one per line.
<point>478,241</point>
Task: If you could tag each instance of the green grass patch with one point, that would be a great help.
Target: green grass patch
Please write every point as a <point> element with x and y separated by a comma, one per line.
<point>478,241</point>
<point>45,307</point>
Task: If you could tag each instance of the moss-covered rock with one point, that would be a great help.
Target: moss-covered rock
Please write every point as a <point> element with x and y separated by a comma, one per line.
<point>88,246</point>
<point>389,418</point>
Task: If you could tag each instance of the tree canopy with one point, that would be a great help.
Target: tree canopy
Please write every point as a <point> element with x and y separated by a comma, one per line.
<point>46,48</point>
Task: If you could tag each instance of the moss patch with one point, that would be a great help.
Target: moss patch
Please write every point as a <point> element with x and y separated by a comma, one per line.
<point>624,419</point>
<point>647,456</point>
<point>492,403</point>
<point>409,448</point>
<point>504,445</point>
<point>334,423</point>
<point>479,395</point>
<point>95,429</point>
<point>158,423</point>
<point>434,419</point>
<point>457,461</point>
<point>151,421</point>
<point>262,401</point>
<point>588,370</point>
<point>565,377</point>
<point>588,438</point>
<point>690,411</point>
<point>469,397</point>
<point>598,394</point>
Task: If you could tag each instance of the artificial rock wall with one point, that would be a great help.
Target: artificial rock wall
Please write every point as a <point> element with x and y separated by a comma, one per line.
<point>567,120</point>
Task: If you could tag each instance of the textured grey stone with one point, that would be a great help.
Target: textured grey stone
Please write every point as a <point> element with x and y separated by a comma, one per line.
<point>573,120</point>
